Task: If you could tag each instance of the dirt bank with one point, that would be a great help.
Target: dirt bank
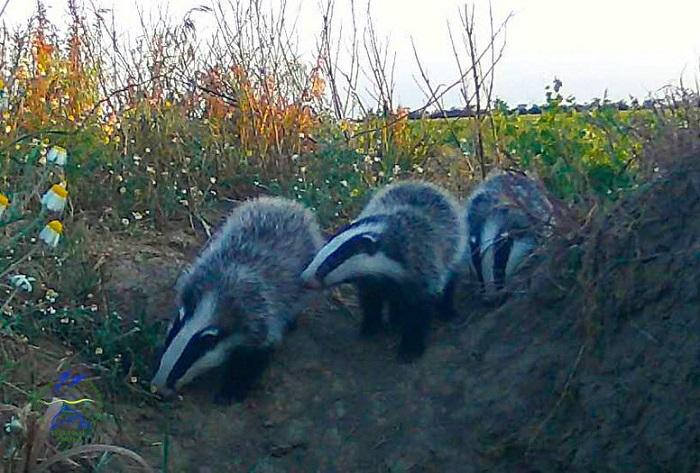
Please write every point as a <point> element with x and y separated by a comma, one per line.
<point>598,370</point>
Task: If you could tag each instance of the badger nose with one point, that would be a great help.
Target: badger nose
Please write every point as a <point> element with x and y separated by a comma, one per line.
<point>163,391</point>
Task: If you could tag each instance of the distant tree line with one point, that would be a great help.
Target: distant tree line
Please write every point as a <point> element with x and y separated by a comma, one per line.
<point>524,109</point>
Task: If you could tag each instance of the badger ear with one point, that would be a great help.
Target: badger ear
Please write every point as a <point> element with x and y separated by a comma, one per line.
<point>189,299</point>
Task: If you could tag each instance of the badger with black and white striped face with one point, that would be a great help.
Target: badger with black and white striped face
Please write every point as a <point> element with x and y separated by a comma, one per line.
<point>508,215</point>
<point>239,297</point>
<point>401,250</point>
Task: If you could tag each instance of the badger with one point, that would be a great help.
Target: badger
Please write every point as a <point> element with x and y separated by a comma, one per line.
<point>239,297</point>
<point>401,251</point>
<point>507,217</point>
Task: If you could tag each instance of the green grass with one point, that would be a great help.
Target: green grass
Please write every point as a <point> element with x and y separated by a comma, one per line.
<point>158,183</point>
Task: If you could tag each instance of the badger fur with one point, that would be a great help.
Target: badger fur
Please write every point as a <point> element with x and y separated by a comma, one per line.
<point>507,217</point>
<point>401,250</point>
<point>239,296</point>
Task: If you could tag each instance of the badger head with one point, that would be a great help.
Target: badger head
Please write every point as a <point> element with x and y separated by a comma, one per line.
<point>201,336</point>
<point>358,250</point>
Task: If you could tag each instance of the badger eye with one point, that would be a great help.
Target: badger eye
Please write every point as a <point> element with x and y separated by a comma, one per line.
<point>211,332</point>
<point>370,244</point>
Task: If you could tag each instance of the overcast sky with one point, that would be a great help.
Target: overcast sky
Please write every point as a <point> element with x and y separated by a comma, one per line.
<point>627,47</point>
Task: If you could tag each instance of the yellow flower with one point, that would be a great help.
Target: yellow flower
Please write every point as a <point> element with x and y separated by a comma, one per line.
<point>55,198</point>
<point>4,203</point>
<point>57,155</point>
<point>51,233</point>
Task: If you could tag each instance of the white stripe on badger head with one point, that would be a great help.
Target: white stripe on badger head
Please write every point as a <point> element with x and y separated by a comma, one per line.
<point>173,320</point>
<point>203,317</point>
<point>275,330</point>
<point>211,359</point>
<point>336,242</point>
<point>520,250</point>
<point>487,248</point>
<point>363,265</point>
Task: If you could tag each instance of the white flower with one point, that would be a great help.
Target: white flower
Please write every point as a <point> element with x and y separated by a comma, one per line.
<point>51,295</point>
<point>23,282</point>
<point>55,198</point>
<point>57,155</point>
<point>14,425</point>
<point>51,233</point>
<point>4,203</point>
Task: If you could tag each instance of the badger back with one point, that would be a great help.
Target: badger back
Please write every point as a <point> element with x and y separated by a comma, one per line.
<point>440,208</point>
<point>507,216</point>
<point>242,290</point>
<point>409,229</point>
<point>282,239</point>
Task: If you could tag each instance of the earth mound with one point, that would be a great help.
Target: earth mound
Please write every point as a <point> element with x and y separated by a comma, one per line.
<point>595,368</point>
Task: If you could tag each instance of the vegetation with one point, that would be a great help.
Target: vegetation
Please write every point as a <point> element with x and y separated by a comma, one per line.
<point>110,142</point>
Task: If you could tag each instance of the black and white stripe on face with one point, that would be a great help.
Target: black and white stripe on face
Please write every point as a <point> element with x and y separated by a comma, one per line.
<point>194,345</point>
<point>476,219</point>
<point>354,252</point>
<point>500,253</point>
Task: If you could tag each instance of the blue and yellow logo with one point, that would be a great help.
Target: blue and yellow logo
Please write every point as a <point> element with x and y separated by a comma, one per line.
<point>69,424</point>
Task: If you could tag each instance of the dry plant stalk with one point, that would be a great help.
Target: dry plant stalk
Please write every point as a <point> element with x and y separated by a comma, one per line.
<point>376,64</point>
<point>476,74</point>
<point>36,453</point>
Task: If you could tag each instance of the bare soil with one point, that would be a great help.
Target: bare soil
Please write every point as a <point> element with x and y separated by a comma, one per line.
<point>593,369</point>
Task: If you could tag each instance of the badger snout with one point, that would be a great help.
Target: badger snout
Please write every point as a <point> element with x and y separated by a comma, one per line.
<point>163,391</point>
<point>160,387</point>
